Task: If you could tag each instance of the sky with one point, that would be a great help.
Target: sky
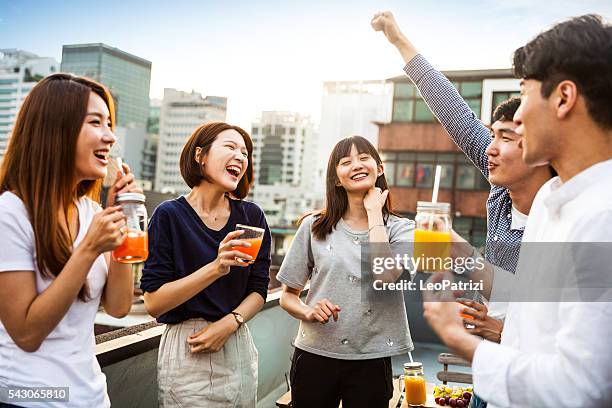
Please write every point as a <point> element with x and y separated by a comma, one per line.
<point>271,55</point>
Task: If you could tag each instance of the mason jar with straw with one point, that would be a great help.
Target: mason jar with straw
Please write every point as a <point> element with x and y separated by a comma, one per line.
<point>432,235</point>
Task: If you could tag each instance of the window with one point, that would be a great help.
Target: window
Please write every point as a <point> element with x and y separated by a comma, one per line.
<point>471,89</point>
<point>387,156</point>
<point>446,177</point>
<point>390,173</point>
<point>466,177</point>
<point>404,90</point>
<point>279,130</point>
<point>499,97</point>
<point>422,112</point>
<point>402,110</point>
<point>417,169</point>
<point>405,175</point>
<point>292,131</point>
<point>408,106</point>
<point>424,175</point>
<point>474,105</point>
<point>255,131</point>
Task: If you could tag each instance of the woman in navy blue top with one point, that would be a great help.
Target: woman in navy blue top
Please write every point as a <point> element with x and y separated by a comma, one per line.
<point>196,283</point>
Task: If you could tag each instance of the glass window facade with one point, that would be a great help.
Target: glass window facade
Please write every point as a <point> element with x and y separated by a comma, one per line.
<point>499,97</point>
<point>127,79</point>
<point>417,169</point>
<point>409,106</point>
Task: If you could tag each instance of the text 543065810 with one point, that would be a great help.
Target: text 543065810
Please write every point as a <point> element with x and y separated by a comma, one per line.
<point>18,395</point>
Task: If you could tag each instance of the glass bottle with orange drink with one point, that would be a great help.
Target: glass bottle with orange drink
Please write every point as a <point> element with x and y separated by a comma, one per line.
<point>414,384</point>
<point>135,246</point>
<point>432,235</point>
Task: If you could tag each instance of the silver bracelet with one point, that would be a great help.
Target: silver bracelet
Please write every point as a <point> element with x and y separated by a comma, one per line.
<point>374,226</point>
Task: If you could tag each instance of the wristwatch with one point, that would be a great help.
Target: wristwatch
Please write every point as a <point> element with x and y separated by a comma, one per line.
<point>239,318</point>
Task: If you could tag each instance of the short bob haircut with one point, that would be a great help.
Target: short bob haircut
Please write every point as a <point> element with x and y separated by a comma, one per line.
<point>203,137</point>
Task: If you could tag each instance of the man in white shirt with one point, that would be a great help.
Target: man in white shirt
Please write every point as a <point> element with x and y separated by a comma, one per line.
<point>555,353</point>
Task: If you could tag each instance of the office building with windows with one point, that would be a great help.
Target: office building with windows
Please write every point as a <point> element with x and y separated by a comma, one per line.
<point>285,163</point>
<point>351,108</point>
<point>19,72</point>
<point>181,113</point>
<point>128,78</point>
<point>413,143</point>
<point>149,152</point>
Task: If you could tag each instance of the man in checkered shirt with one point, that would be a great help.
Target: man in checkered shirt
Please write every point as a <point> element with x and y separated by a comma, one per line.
<point>497,153</point>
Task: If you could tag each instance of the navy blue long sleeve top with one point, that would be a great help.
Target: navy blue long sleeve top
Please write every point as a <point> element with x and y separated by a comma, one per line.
<point>180,244</point>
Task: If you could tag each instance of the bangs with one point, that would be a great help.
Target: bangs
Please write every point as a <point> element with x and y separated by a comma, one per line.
<point>343,148</point>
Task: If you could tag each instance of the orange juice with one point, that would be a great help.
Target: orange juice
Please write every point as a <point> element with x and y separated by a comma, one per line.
<point>416,392</point>
<point>431,245</point>
<point>253,250</point>
<point>133,249</point>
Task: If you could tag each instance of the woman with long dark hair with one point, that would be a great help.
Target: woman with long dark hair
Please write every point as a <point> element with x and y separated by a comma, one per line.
<point>55,266</point>
<point>199,281</point>
<point>347,335</point>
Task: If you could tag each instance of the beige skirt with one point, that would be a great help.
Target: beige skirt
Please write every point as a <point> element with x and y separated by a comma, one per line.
<point>227,378</point>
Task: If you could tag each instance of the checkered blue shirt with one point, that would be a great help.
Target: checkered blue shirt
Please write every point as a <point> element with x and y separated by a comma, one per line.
<point>472,136</point>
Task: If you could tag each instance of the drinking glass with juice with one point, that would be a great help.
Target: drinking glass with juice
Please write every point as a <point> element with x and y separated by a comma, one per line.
<point>476,297</point>
<point>432,235</point>
<point>253,236</point>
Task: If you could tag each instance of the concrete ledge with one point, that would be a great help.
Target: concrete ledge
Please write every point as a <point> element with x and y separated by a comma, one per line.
<point>128,342</point>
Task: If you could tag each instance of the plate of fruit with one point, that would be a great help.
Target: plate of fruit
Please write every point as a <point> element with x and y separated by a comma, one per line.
<point>446,396</point>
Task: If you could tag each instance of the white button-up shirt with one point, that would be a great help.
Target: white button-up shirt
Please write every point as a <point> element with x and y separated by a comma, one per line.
<point>556,354</point>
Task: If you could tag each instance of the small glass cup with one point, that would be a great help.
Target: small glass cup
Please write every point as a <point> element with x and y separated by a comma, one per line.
<point>253,236</point>
<point>476,297</point>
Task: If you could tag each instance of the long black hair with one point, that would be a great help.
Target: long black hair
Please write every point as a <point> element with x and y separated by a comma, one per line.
<point>336,203</point>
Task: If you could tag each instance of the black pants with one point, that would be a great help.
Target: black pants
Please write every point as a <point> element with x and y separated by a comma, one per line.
<point>322,382</point>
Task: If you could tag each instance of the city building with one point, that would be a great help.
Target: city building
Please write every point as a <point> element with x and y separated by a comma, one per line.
<point>285,146</point>
<point>149,152</point>
<point>413,143</point>
<point>351,108</point>
<point>128,78</point>
<point>181,113</point>
<point>19,72</point>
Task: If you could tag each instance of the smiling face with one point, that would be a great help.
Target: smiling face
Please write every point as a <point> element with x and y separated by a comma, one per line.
<point>95,141</point>
<point>357,172</point>
<point>226,161</point>
<point>504,153</point>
